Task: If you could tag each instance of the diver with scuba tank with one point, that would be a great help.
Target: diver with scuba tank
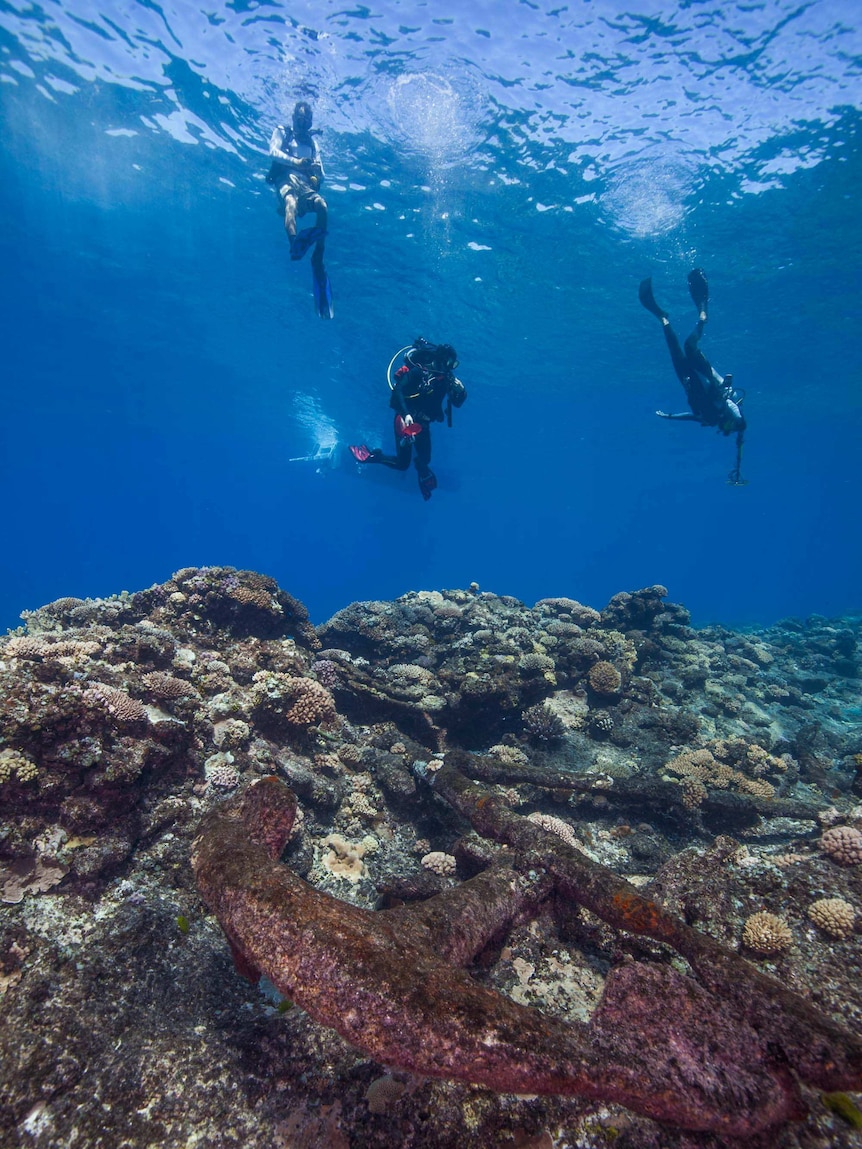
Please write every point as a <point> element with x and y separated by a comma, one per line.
<point>419,388</point>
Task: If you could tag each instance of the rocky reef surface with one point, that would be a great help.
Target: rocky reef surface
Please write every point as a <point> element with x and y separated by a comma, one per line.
<point>642,841</point>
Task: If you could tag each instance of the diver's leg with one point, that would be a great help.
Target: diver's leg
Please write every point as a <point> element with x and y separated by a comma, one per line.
<point>699,291</point>
<point>322,214</point>
<point>403,447</point>
<point>289,201</point>
<point>696,358</point>
<point>693,341</point>
<point>400,461</point>
<point>427,478</point>
<point>320,280</point>
<point>647,299</point>
<point>393,461</point>
<point>677,357</point>
<point>422,443</point>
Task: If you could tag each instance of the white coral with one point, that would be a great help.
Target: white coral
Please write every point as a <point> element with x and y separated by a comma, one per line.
<point>439,863</point>
<point>555,826</point>
<point>344,858</point>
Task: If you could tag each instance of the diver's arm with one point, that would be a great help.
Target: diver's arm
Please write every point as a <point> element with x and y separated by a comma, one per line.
<point>316,161</point>
<point>457,392</point>
<point>276,150</point>
<point>276,145</point>
<point>400,400</point>
<point>685,416</point>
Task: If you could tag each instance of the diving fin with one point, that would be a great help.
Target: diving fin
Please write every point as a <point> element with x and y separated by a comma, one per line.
<point>647,299</point>
<point>427,483</point>
<point>322,291</point>
<point>363,454</point>
<point>302,241</point>
<point>699,290</point>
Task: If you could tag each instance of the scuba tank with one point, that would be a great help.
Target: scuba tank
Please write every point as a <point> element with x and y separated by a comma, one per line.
<point>421,354</point>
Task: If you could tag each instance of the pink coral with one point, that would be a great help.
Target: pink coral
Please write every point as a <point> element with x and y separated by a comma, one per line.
<point>843,844</point>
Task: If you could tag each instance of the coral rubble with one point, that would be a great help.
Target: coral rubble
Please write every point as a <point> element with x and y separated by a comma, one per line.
<point>597,857</point>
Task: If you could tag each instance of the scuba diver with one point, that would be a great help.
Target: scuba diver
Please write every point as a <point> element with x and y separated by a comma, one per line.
<point>419,388</point>
<point>297,173</point>
<point>711,397</point>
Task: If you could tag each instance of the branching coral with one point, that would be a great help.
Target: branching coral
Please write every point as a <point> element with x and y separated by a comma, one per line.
<point>310,702</point>
<point>118,704</point>
<point>542,723</point>
<point>290,701</point>
<point>439,863</point>
<point>12,762</point>
<point>600,723</point>
<point>37,647</point>
<point>166,685</point>
<point>702,768</point>
<point>605,678</point>
<point>766,934</point>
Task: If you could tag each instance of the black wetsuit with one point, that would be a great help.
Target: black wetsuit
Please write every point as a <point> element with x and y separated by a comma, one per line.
<point>421,395</point>
<point>713,402</point>
<point>420,392</point>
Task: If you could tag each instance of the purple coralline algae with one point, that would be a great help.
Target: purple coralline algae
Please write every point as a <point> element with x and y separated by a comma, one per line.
<point>389,981</point>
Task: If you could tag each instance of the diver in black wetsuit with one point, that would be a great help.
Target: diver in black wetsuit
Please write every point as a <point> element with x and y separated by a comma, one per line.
<point>711,397</point>
<point>424,381</point>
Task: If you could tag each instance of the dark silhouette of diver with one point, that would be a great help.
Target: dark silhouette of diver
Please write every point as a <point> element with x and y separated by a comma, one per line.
<point>297,173</point>
<point>421,384</point>
<point>711,397</point>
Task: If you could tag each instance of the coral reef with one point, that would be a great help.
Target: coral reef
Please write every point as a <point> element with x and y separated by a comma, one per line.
<point>578,813</point>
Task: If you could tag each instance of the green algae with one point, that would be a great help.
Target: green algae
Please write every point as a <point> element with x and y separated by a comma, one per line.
<point>844,1106</point>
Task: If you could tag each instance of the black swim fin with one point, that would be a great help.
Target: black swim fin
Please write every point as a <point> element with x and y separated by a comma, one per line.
<point>302,241</point>
<point>647,299</point>
<point>699,289</point>
<point>322,291</point>
<point>427,484</point>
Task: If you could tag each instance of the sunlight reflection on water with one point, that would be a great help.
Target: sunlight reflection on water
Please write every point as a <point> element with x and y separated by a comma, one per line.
<point>648,196</point>
<point>429,117</point>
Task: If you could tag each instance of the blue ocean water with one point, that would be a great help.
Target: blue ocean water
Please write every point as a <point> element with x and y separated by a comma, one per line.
<point>500,175</point>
